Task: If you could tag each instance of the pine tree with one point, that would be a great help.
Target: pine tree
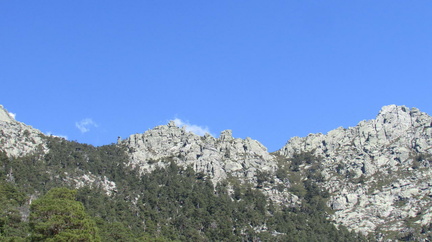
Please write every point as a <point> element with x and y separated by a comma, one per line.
<point>57,216</point>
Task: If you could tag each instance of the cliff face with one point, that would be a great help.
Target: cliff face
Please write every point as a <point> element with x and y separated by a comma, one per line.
<point>378,172</point>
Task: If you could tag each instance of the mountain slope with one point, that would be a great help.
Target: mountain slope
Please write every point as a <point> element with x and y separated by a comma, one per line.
<point>373,178</point>
<point>18,139</point>
<point>217,157</point>
<point>378,172</point>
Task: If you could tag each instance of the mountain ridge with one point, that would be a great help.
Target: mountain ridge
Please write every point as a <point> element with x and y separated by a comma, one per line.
<point>377,174</point>
<point>18,139</point>
<point>386,151</point>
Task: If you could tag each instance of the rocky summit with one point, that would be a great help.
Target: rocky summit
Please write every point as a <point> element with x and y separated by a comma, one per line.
<point>378,172</point>
<point>18,139</point>
<point>376,176</point>
<point>216,157</point>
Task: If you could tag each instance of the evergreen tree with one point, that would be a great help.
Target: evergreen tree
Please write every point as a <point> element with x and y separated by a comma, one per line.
<point>57,216</point>
<point>11,201</point>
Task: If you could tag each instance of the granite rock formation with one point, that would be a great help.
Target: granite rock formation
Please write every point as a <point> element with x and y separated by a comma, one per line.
<point>378,172</point>
<point>216,157</point>
<point>18,139</point>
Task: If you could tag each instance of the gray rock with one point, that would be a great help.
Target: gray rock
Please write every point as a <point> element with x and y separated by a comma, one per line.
<point>18,139</point>
<point>5,116</point>
<point>216,157</point>
<point>365,166</point>
<point>378,173</point>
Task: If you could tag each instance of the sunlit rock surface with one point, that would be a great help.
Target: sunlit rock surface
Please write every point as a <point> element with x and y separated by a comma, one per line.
<point>217,157</point>
<point>378,172</point>
<point>18,139</point>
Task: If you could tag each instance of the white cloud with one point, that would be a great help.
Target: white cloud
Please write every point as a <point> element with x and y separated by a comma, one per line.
<point>57,135</point>
<point>13,115</point>
<point>196,129</point>
<point>85,125</point>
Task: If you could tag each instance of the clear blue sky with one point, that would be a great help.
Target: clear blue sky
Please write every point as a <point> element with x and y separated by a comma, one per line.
<point>269,70</point>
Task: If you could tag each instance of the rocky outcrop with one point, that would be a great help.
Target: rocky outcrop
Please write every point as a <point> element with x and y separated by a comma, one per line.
<point>216,157</point>
<point>92,181</point>
<point>5,116</point>
<point>378,172</point>
<point>219,159</point>
<point>18,139</point>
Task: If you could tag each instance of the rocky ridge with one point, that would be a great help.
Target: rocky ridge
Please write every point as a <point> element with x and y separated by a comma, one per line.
<point>220,158</point>
<point>18,139</point>
<point>378,172</point>
<point>216,157</point>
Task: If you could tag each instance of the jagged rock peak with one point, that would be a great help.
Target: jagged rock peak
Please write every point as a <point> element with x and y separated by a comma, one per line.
<point>217,157</point>
<point>226,135</point>
<point>391,123</point>
<point>399,114</point>
<point>393,109</point>
<point>373,168</point>
<point>172,123</point>
<point>5,116</point>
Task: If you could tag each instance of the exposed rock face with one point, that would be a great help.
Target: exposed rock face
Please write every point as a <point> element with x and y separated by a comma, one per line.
<point>215,157</point>
<point>93,181</point>
<point>378,172</point>
<point>5,116</point>
<point>18,139</point>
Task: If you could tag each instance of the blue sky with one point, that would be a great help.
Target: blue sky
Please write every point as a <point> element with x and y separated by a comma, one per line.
<point>269,70</point>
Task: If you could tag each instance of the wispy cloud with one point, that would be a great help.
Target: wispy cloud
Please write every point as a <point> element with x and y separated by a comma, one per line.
<point>13,115</point>
<point>85,125</point>
<point>57,135</point>
<point>196,129</point>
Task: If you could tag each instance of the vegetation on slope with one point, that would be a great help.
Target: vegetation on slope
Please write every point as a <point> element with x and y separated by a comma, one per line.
<point>172,203</point>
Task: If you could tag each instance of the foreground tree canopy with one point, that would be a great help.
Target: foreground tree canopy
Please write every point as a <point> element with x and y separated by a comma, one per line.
<point>57,216</point>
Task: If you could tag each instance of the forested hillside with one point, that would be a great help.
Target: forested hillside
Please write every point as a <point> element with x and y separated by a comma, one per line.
<point>172,203</point>
<point>371,182</point>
